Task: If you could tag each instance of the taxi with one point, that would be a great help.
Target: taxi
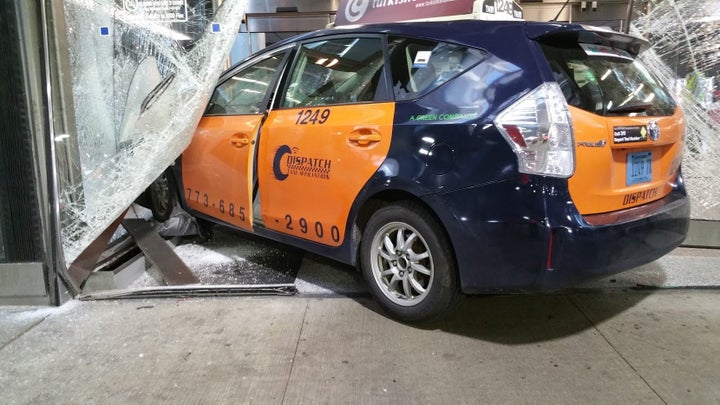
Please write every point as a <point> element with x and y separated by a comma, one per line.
<point>444,158</point>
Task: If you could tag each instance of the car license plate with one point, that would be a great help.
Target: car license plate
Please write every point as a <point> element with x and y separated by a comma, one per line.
<point>639,167</point>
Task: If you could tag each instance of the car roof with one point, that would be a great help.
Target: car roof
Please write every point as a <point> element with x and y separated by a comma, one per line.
<point>475,33</point>
<point>453,31</point>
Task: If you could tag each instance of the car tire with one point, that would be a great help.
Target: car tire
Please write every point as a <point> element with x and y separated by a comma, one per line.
<point>163,197</point>
<point>408,263</point>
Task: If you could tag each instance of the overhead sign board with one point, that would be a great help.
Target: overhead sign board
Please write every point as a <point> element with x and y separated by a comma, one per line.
<point>351,12</point>
<point>158,10</point>
<point>379,11</point>
<point>500,10</point>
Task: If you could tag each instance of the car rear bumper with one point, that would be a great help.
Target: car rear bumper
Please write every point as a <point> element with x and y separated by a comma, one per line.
<point>513,237</point>
<point>591,251</point>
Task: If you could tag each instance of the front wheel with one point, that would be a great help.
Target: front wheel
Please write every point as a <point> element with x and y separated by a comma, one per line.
<point>408,264</point>
<point>163,196</point>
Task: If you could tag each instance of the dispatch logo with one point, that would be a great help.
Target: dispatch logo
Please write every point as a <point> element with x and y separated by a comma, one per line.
<point>639,196</point>
<point>289,162</point>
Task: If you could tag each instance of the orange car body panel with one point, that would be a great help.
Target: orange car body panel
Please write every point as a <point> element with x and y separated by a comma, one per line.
<point>310,173</point>
<point>217,168</point>
<point>599,184</point>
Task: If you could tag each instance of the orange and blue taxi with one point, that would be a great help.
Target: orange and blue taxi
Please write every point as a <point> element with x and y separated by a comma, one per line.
<point>447,158</point>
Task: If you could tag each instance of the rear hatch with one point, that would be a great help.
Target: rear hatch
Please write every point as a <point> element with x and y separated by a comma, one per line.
<point>629,132</point>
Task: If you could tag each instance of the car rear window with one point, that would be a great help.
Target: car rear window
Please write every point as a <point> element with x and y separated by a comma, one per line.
<point>607,81</point>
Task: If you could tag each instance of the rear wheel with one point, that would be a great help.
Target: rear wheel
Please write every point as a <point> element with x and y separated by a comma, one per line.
<point>408,264</point>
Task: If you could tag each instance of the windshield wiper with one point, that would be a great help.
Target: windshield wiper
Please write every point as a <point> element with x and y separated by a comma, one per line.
<point>630,108</point>
<point>155,93</point>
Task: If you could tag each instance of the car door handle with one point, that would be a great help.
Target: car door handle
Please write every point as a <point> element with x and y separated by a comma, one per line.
<point>240,140</point>
<point>364,136</point>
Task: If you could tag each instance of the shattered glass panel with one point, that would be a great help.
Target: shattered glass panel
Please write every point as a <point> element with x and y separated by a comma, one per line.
<point>142,72</point>
<point>685,53</point>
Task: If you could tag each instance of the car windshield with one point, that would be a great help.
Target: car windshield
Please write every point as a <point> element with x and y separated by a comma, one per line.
<point>607,81</point>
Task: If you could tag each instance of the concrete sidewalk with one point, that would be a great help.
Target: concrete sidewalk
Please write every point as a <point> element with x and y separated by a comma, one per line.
<point>597,347</point>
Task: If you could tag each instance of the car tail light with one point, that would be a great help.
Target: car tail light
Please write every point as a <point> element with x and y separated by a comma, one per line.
<point>539,129</point>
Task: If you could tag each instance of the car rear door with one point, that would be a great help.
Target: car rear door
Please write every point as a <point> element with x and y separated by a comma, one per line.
<point>218,165</point>
<point>629,132</point>
<point>330,133</point>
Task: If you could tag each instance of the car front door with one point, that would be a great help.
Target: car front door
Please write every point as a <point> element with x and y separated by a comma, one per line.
<point>331,132</point>
<point>217,166</point>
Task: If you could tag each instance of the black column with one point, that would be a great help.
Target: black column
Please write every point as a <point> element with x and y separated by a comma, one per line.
<point>19,216</point>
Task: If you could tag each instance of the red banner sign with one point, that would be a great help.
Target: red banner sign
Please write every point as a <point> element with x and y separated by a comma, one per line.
<point>378,11</point>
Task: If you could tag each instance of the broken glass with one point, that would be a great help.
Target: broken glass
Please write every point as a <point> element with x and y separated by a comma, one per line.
<point>142,72</point>
<point>685,37</point>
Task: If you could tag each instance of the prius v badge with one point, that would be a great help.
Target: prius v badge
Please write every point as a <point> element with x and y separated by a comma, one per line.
<point>598,144</point>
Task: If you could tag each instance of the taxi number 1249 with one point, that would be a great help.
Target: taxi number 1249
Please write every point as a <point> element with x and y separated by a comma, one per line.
<point>311,116</point>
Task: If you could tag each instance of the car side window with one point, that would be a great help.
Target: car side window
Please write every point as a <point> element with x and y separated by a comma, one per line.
<point>419,65</point>
<point>244,92</point>
<point>336,71</point>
